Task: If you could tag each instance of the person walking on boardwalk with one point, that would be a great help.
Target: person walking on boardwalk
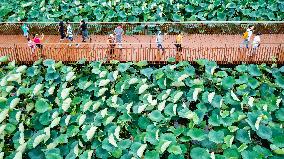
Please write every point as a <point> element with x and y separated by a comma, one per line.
<point>111,45</point>
<point>256,43</point>
<point>118,31</point>
<point>25,30</point>
<point>37,40</point>
<point>84,29</point>
<point>70,34</point>
<point>159,41</point>
<point>247,36</point>
<point>61,30</point>
<point>31,45</point>
<point>179,42</point>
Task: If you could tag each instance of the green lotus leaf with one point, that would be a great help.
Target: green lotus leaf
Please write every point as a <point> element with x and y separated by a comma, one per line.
<point>249,154</point>
<point>197,134</point>
<point>264,132</point>
<point>10,128</point>
<point>279,80</point>
<point>124,144</point>
<point>53,154</point>
<point>117,153</point>
<point>42,106</point>
<point>262,151</point>
<point>156,116</point>
<point>254,70</point>
<point>228,82</point>
<point>243,136</point>
<point>147,72</point>
<point>122,67</point>
<point>48,62</point>
<point>280,114</point>
<point>151,155</point>
<point>4,58</point>
<point>142,63</point>
<point>216,136</point>
<point>196,152</point>
<point>253,83</point>
<point>45,118</point>
<point>278,141</point>
<point>174,149</point>
<point>36,153</point>
<point>231,153</point>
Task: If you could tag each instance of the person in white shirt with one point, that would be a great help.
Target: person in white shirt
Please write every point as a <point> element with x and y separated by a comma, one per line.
<point>159,41</point>
<point>250,30</point>
<point>247,37</point>
<point>256,41</point>
<point>31,44</point>
<point>70,34</point>
<point>255,44</point>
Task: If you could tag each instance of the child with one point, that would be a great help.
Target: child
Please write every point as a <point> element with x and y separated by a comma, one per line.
<point>111,44</point>
<point>25,30</point>
<point>31,44</point>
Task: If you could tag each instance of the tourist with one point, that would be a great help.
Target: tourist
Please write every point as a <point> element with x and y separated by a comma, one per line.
<point>178,42</point>
<point>38,40</point>
<point>111,44</point>
<point>118,35</point>
<point>255,44</point>
<point>25,30</point>
<point>31,44</point>
<point>159,41</point>
<point>247,36</point>
<point>69,33</point>
<point>61,30</point>
<point>256,41</point>
<point>85,34</point>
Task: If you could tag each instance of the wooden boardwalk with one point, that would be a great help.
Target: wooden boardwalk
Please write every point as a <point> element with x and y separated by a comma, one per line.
<point>222,48</point>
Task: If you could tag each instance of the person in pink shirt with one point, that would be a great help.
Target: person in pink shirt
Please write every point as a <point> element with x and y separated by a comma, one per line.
<point>38,40</point>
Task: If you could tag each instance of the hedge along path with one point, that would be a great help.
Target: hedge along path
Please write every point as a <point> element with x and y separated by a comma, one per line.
<point>191,41</point>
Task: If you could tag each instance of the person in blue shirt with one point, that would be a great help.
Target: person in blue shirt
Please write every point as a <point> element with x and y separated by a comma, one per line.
<point>25,30</point>
<point>118,35</point>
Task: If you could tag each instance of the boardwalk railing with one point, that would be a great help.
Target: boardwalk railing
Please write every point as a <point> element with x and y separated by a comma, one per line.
<point>224,55</point>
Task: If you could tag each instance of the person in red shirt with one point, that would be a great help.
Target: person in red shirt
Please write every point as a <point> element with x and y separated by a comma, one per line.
<point>38,40</point>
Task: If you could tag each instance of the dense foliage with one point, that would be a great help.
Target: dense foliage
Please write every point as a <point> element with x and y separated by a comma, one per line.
<point>129,110</point>
<point>133,10</point>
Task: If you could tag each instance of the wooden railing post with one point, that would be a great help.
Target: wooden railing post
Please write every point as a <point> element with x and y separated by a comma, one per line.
<point>16,52</point>
<point>278,53</point>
